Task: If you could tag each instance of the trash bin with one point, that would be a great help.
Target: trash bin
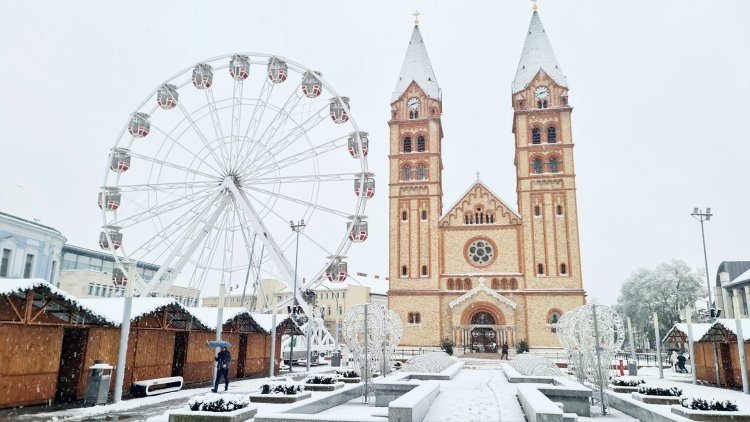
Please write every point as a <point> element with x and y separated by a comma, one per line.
<point>632,368</point>
<point>336,358</point>
<point>97,388</point>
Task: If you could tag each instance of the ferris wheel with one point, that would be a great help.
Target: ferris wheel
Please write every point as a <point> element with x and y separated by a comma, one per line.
<point>214,166</point>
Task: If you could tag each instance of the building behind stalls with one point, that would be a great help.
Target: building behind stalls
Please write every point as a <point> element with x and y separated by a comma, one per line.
<point>29,249</point>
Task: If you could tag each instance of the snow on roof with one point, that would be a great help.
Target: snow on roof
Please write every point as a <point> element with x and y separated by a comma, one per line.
<point>731,326</point>
<point>740,279</point>
<point>537,55</point>
<point>699,330</point>
<point>207,316</point>
<point>111,307</point>
<point>482,288</point>
<point>417,68</point>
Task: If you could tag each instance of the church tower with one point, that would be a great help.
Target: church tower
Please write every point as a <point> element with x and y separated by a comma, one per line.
<point>415,192</point>
<point>545,173</point>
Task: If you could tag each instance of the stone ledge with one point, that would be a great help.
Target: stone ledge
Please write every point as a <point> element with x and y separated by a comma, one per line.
<point>279,398</point>
<point>323,387</point>
<point>649,399</point>
<point>711,415</point>
<point>350,380</point>
<point>623,388</point>
<point>239,415</point>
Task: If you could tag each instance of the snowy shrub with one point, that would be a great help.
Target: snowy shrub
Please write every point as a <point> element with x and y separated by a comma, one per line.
<point>218,403</point>
<point>697,403</point>
<point>346,373</point>
<point>627,382</point>
<point>287,387</point>
<point>320,379</point>
<point>659,391</point>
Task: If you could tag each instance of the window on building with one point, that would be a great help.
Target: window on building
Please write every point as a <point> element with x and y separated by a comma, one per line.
<point>5,263</point>
<point>404,215</point>
<point>536,136</point>
<point>551,135</point>
<point>554,165</point>
<point>406,173</point>
<point>449,284</point>
<point>421,144</point>
<point>424,215</point>
<point>537,165</point>
<point>552,318</point>
<point>407,144</point>
<point>537,211</point>
<point>559,210</point>
<point>467,284</point>
<point>415,318</point>
<point>495,284</point>
<point>540,269</point>
<point>28,266</point>
<point>404,271</point>
<point>413,114</point>
<point>542,104</point>
<point>421,172</point>
<point>424,270</point>
<point>563,269</point>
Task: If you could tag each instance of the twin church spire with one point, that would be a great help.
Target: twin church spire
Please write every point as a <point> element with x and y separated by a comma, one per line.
<point>417,68</point>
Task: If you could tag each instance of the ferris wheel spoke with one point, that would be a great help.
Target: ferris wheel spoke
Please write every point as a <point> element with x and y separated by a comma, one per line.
<point>218,130</point>
<point>298,201</point>
<point>189,242</point>
<point>302,179</point>
<point>255,169</point>
<point>277,122</point>
<point>164,163</point>
<point>166,186</point>
<point>168,136</point>
<point>235,144</point>
<point>256,117</point>
<point>206,144</point>
<point>177,203</point>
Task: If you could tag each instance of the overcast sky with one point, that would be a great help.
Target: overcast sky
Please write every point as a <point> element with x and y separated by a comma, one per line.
<point>659,89</point>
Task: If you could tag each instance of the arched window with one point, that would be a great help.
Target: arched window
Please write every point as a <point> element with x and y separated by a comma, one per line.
<point>552,318</point>
<point>413,114</point>
<point>559,210</point>
<point>415,318</point>
<point>406,173</point>
<point>553,165</point>
<point>551,135</point>
<point>467,284</point>
<point>537,164</point>
<point>404,215</point>
<point>424,215</point>
<point>421,145</point>
<point>495,284</point>
<point>404,271</point>
<point>421,172</point>
<point>536,136</point>
<point>513,284</point>
<point>407,144</point>
<point>563,269</point>
<point>450,284</point>
<point>541,104</point>
<point>537,211</point>
<point>540,269</point>
<point>424,270</point>
<point>483,318</point>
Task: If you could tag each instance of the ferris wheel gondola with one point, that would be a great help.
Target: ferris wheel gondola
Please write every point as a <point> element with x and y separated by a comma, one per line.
<point>209,169</point>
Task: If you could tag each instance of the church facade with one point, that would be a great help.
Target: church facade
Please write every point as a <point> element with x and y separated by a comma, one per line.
<point>480,272</point>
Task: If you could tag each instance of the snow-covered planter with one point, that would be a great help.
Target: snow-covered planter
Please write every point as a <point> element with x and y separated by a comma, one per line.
<point>626,384</point>
<point>699,409</point>
<point>322,383</point>
<point>348,376</point>
<point>287,391</point>
<point>657,395</point>
<point>216,407</point>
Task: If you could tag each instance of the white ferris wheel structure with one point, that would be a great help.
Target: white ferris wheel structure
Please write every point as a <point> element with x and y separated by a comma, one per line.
<point>211,168</point>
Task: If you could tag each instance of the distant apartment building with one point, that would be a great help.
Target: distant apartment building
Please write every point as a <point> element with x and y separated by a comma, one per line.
<point>88,274</point>
<point>29,249</point>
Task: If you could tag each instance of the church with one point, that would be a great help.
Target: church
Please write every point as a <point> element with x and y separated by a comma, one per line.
<point>481,272</point>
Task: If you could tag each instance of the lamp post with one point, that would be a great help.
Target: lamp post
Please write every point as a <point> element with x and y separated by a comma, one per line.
<point>296,228</point>
<point>704,216</point>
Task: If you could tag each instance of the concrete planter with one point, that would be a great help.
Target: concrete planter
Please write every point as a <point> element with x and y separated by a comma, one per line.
<point>323,387</point>
<point>711,415</point>
<point>656,399</point>
<point>238,415</point>
<point>623,389</point>
<point>351,380</point>
<point>279,398</point>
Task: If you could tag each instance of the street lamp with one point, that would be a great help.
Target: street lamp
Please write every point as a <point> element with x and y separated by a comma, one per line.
<point>296,228</point>
<point>704,216</point>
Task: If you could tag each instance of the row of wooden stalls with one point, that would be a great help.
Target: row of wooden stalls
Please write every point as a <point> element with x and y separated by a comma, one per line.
<point>714,343</point>
<point>49,339</point>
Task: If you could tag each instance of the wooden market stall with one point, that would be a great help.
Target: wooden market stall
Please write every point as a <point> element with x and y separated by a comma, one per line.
<point>719,344</point>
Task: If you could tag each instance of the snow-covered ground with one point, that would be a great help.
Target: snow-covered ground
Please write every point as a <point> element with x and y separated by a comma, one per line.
<point>480,392</point>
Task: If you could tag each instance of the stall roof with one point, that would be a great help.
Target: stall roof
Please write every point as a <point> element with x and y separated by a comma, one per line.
<point>52,300</point>
<point>678,333</point>
<point>263,322</point>
<point>726,330</point>
<point>112,308</point>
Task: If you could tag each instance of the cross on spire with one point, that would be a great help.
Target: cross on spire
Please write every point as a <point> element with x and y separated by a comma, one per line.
<point>477,175</point>
<point>416,18</point>
<point>534,7</point>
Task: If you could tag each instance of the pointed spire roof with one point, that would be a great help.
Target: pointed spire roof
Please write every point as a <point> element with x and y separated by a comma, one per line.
<point>537,55</point>
<point>417,68</point>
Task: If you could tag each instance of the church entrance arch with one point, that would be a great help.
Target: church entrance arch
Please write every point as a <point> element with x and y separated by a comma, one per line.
<point>483,339</point>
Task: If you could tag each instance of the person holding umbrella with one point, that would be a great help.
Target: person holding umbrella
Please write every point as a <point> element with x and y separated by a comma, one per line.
<point>223,358</point>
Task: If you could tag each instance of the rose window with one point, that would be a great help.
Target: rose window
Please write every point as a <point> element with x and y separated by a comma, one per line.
<point>480,252</point>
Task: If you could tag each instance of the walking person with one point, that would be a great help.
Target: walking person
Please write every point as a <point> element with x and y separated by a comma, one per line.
<point>505,351</point>
<point>673,359</point>
<point>222,368</point>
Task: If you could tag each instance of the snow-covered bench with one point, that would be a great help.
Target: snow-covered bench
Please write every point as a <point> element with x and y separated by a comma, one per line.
<point>536,406</point>
<point>154,386</point>
<point>414,405</point>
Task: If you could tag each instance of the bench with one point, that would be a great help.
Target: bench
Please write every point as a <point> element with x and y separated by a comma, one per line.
<point>536,406</point>
<point>414,405</point>
<point>154,386</point>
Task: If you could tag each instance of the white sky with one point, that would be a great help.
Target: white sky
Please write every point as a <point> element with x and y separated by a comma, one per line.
<point>659,91</point>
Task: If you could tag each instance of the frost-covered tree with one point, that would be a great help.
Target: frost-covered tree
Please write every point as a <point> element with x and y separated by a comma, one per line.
<point>666,290</point>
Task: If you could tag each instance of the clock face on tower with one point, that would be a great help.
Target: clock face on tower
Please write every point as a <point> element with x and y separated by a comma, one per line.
<point>541,93</point>
<point>413,103</point>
